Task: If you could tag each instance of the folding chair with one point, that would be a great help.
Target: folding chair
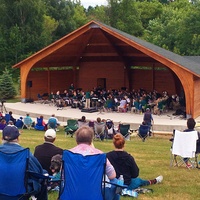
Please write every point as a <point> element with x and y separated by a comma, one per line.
<point>71,127</point>
<point>183,150</point>
<point>124,130</point>
<point>39,126</point>
<point>7,117</point>
<point>83,176</point>
<point>143,132</point>
<point>52,123</point>
<point>99,130</point>
<point>27,123</point>
<point>80,124</point>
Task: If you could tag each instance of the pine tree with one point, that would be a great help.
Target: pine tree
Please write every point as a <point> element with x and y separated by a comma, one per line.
<point>7,89</point>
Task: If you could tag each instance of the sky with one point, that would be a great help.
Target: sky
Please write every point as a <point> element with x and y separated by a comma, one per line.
<point>93,3</point>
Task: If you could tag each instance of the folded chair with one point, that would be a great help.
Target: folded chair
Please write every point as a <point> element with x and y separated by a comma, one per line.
<point>124,130</point>
<point>183,152</point>
<point>71,127</point>
<point>143,132</point>
<point>83,176</point>
<point>99,130</point>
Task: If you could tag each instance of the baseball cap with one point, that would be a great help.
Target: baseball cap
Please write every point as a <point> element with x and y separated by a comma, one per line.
<point>10,132</point>
<point>50,133</point>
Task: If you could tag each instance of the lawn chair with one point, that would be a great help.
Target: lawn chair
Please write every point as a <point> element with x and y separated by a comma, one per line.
<point>99,130</point>
<point>110,131</point>
<point>183,150</point>
<point>80,124</point>
<point>83,176</point>
<point>143,131</point>
<point>71,127</point>
<point>27,123</point>
<point>14,175</point>
<point>39,126</point>
<point>124,130</point>
<point>52,123</point>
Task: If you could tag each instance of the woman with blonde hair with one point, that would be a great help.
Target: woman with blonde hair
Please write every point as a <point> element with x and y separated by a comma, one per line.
<point>125,165</point>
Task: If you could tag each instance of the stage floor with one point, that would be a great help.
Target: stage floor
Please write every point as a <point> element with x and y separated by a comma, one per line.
<point>163,123</point>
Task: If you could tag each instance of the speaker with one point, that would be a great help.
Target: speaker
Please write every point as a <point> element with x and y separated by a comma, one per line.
<point>29,84</point>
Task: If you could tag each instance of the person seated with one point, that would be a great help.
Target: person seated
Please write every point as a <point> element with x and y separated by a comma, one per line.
<point>44,152</point>
<point>2,124</point>
<point>28,122</point>
<point>40,125</point>
<point>190,127</point>
<point>53,122</point>
<point>1,116</point>
<point>10,137</point>
<point>11,117</point>
<point>19,123</point>
<point>122,105</point>
<point>125,165</point>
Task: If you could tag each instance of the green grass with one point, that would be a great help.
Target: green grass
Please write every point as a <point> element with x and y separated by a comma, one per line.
<point>152,157</point>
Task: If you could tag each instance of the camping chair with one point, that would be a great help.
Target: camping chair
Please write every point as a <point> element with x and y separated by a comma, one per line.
<point>184,149</point>
<point>14,175</point>
<point>143,132</point>
<point>83,176</point>
<point>124,130</point>
<point>7,117</point>
<point>27,123</point>
<point>71,127</point>
<point>80,124</point>
<point>99,130</point>
<point>52,123</point>
<point>39,126</point>
<point>110,131</point>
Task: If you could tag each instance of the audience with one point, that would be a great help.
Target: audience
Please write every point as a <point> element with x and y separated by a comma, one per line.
<point>47,150</point>
<point>125,165</point>
<point>10,144</point>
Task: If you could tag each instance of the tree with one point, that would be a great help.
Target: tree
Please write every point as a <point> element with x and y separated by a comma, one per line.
<point>7,89</point>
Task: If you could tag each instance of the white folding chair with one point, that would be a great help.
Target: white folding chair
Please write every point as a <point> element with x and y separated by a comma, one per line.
<point>183,150</point>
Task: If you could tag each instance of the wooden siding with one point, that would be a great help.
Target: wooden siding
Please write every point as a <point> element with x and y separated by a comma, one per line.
<point>197,97</point>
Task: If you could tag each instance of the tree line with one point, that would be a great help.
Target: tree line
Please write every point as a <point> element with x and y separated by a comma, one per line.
<point>27,26</point>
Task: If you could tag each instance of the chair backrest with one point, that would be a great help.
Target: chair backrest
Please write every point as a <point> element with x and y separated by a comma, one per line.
<point>124,128</point>
<point>184,144</point>
<point>80,124</point>
<point>27,121</point>
<point>39,121</point>
<point>83,176</point>
<point>13,168</point>
<point>52,123</point>
<point>99,127</point>
<point>7,117</point>
<point>72,123</point>
<point>143,129</point>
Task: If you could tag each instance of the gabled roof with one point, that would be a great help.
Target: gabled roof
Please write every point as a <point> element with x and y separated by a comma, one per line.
<point>97,42</point>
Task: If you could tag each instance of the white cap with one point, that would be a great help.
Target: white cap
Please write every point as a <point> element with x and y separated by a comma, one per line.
<point>50,133</point>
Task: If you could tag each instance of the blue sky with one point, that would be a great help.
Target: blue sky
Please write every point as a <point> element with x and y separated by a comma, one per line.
<point>93,3</point>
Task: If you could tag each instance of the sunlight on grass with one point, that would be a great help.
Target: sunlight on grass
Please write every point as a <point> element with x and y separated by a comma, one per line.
<point>152,157</point>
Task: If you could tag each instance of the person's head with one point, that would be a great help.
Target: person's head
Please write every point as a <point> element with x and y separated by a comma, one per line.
<point>84,135</point>
<point>83,118</point>
<point>53,115</point>
<point>10,113</point>
<point>148,109</point>
<point>118,141</point>
<point>143,123</point>
<point>10,133</point>
<point>98,119</point>
<point>41,116</point>
<point>3,121</point>
<point>27,114</point>
<point>191,123</point>
<point>50,135</point>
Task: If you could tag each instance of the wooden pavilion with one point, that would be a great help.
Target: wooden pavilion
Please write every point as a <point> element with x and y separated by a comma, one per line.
<point>97,54</point>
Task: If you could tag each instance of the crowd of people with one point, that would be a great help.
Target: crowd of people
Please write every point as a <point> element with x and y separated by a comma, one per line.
<point>118,100</point>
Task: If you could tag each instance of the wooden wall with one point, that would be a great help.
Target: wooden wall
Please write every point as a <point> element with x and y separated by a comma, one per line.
<point>196,97</point>
<point>115,75</point>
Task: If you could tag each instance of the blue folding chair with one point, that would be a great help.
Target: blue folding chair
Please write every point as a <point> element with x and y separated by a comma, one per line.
<point>13,177</point>
<point>143,132</point>
<point>83,176</point>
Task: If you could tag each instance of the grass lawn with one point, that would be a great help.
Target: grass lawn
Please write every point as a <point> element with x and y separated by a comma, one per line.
<point>152,157</point>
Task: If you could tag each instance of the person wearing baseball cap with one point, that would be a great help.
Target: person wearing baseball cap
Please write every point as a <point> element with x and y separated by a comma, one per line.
<point>10,144</point>
<point>44,152</point>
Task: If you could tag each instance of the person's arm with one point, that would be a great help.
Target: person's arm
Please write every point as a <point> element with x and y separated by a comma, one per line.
<point>110,171</point>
